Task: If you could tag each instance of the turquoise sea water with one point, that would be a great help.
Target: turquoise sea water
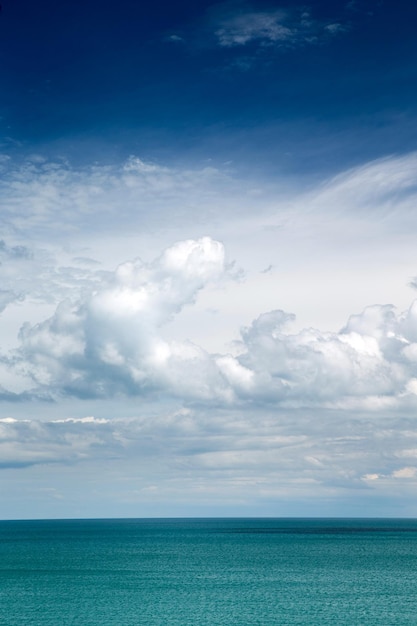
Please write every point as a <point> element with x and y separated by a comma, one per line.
<point>208,572</point>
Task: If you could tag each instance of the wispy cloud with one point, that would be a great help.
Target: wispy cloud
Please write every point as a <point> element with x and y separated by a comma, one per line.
<point>242,25</point>
<point>40,196</point>
<point>386,186</point>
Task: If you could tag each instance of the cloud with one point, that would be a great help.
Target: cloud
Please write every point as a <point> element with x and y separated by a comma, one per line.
<point>62,212</point>
<point>40,197</point>
<point>242,29</point>
<point>7,296</point>
<point>405,472</point>
<point>367,361</point>
<point>386,186</point>
<point>241,26</point>
<point>107,333</point>
<point>48,203</point>
<point>24,443</point>
<point>35,274</point>
<point>111,341</point>
<point>175,39</point>
<point>231,456</point>
<point>13,260</point>
<point>14,252</point>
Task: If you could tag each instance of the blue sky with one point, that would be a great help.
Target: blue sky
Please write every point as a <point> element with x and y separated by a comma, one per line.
<point>207,259</point>
<point>159,78</point>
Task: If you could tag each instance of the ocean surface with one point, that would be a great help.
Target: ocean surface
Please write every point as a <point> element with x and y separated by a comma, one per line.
<point>191,572</point>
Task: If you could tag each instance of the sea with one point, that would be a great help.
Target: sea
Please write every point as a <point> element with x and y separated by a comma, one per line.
<point>211,572</point>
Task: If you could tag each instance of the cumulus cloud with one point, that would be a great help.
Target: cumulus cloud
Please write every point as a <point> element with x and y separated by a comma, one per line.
<point>111,341</point>
<point>371,362</point>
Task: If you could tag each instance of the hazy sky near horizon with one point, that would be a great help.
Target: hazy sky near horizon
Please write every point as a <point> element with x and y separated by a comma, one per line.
<point>208,258</point>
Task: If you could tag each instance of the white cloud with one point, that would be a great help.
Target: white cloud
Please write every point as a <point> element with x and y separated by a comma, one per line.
<point>40,197</point>
<point>405,472</point>
<point>386,186</point>
<point>35,274</point>
<point>175,38</point>
<point>371,477</point>
<point>120,332</point>
<point>250,457</point>
<point>111,341</point>
<point>241,29</point>
<point>366,359</point>
<point>26,443</point>
<point>283,27</point>
<point>7,296</point>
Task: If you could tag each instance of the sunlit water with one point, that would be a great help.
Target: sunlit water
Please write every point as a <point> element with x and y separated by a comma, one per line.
<point>208,572</point>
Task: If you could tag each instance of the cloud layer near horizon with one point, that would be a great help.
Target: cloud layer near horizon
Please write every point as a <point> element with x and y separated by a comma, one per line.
<point>215,458</point>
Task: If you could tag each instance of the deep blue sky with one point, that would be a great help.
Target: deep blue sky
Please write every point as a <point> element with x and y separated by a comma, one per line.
<point>102,78</point>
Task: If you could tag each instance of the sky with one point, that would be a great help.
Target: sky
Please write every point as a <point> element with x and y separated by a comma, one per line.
<point>208,262</point>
